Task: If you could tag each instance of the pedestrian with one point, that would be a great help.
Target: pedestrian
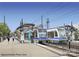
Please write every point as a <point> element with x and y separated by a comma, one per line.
<point>13,39</point>
<point>8,39</point>
<point>32,41</point>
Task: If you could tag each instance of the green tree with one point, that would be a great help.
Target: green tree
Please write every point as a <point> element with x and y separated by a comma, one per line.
<point>4,29</point>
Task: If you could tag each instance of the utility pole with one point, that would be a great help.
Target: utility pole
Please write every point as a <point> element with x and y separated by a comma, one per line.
<point>42,22</point>
<point>47,26</point>
<point>21,30</point>
<point>71,28</point>
<point>47,23</point>
<point>21,22</point>
<point>71,34</point>
<point>4,20</point>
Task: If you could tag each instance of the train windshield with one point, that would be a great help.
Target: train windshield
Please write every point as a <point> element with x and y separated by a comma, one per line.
<point>61,33</point>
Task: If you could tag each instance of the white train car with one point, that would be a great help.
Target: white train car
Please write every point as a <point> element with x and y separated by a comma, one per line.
<point>39,35</point>
<point>57,34</point>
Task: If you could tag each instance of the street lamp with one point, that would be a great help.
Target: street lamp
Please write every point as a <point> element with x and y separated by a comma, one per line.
<point>71,30</point>
<point>68,35</point>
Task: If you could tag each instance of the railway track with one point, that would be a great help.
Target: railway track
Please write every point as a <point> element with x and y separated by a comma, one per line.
<point>64,48</point>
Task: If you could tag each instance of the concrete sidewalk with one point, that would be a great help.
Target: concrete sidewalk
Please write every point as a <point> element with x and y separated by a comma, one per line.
<point>14,48</point>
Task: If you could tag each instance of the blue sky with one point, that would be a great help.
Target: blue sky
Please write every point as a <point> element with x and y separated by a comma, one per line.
<point>58,13</point>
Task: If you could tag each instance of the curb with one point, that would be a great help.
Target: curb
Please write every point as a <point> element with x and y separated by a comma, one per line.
<point>50,49</point>
<point>59,53</point>
<point>63,49</point>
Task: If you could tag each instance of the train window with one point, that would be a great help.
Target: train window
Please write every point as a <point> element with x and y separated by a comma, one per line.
<point>42,35</point>
<point>42,30</point>
<point>61,33</point>
<point>51,34</point>
<point>76,35</point>
<point>56,33</point>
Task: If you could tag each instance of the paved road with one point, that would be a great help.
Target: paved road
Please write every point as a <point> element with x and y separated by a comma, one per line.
<point>17,49</point>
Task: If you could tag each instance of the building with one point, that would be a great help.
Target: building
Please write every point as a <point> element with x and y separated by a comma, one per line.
<point>24,32</point>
